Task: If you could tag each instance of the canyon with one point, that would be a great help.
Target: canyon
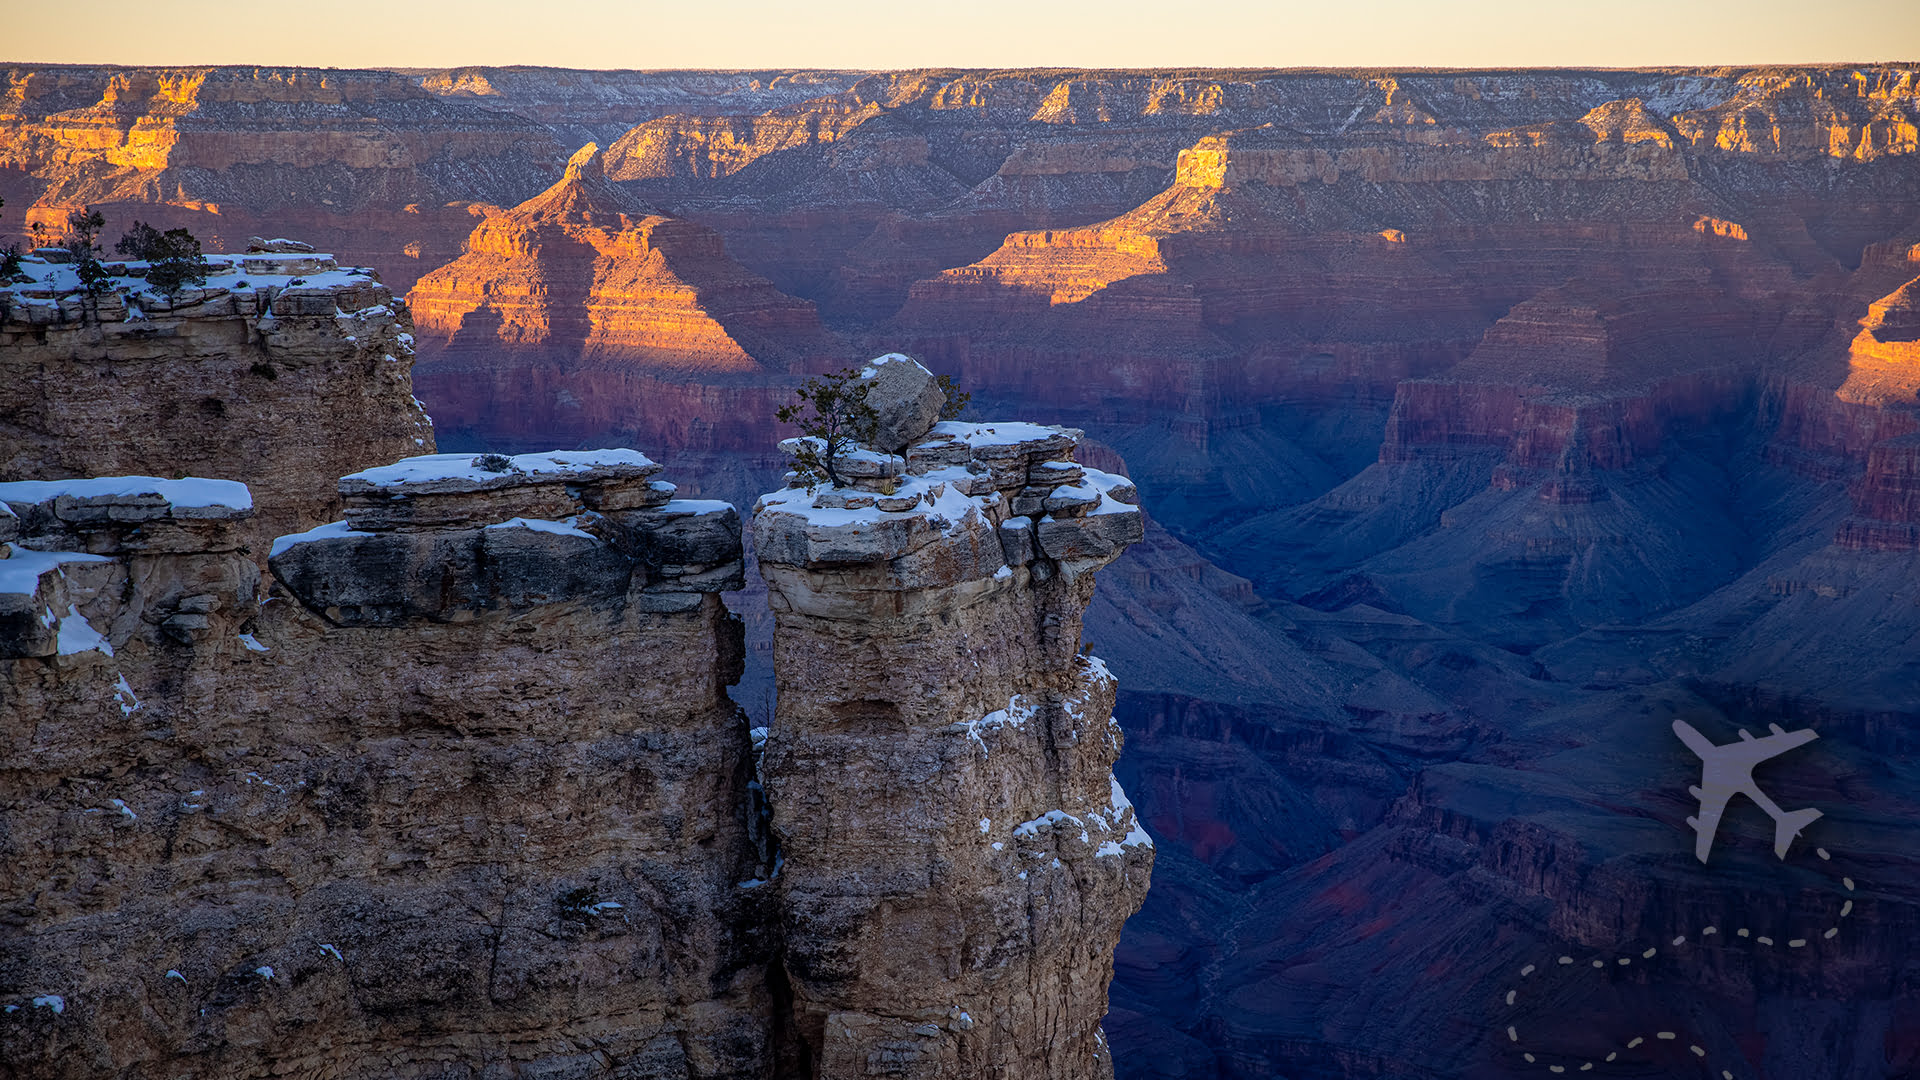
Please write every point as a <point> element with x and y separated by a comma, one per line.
<point>1482,423</point>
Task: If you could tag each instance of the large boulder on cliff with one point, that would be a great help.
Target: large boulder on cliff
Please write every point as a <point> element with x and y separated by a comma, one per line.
<point>906,400</point>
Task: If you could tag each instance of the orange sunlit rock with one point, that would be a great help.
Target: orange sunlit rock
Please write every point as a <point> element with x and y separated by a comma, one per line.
<point>582,269</point>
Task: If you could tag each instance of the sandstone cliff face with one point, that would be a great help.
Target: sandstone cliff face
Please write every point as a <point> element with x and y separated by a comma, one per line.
<point>143,122</point>
<point>580,313</point>
<point>362,162</point>
<point>571,273</point>
<point>1884,358</point>
<point>842,157</point>
<point>1884,373</point>
<point>463,792</point>
<point>1862,115</point>
<point>286,370</point>
<point>927,622</point>
<point>442,803</point>
<point>797,163</point>
<point>1851,412</point>
<point>1616,141</point>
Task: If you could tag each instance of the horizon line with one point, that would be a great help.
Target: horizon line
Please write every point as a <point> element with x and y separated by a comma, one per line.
<point>1001,69</point>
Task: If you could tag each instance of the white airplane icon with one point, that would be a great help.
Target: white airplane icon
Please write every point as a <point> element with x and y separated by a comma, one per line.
<point>1727,771</point>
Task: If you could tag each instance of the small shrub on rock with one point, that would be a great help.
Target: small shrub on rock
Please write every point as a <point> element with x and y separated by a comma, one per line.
<point>832,412</point>
<point>957,399</point>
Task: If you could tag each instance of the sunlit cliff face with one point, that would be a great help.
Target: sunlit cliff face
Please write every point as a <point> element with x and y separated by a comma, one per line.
<point>1884,356</point>
<point>571,271</point>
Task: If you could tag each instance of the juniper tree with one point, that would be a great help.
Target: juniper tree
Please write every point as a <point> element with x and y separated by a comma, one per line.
<point>833,416</point>
<point>957,399</point>
<point>141,242</point>
<point>9,259</point>
<point>82,242</point>
<point>9,266</point>
<point>173,258</point>
<point>82,238</point>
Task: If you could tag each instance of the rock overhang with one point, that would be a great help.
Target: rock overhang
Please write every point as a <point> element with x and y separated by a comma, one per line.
<point>455,537</point>
<point>114,514</point>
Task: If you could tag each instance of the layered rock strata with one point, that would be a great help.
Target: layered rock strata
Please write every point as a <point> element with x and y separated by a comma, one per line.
<point>442,804</point>
<point>368,162</point>
<point>1882,392</point>
<point>286,370</point>
<point>588,273</point>
<point>847,186</point>
<point>958,858</point>
<point>459,791</point>
<point>852,196</point>
<point>582,311</point>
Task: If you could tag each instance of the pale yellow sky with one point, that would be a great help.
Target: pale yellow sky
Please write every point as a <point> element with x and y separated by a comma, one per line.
<point>969,33</point>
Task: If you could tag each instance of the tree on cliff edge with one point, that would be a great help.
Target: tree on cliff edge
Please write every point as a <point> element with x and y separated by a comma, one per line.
<point>833,417</point>
<point>9,266</point>
<point>9,259</point>
<point>173,258</point>
<point>82,241</point>
<point>957,399</point>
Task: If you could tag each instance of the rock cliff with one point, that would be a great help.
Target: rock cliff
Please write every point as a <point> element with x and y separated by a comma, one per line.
<point>285,369</point>
<point>600,106</point>
<point>442,800</point>
<point>927,643</point>
<point>583,272</point>
<point>459,789</point>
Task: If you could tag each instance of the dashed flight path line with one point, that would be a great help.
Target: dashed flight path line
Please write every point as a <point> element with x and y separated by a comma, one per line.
<point>1513,996</point>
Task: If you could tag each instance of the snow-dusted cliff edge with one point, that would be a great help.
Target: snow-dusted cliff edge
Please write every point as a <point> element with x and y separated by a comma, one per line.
<point>455,788</point>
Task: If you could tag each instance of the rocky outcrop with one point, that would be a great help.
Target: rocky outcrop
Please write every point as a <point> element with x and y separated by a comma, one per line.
<point>1542,462</point>
<point>1616,141</point>
<point>1614,372</point>
<point>905,399</point>
<point>464,791</point>
<point>1883,384</point>
<point>1887,501</point>
<point>1862,115</point>
<point>1852,412</point>
<point>842,166</point>
<point>1883,359</point>
<point>445,801</point>
<point>955,916</point>
<point>285,370</point>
